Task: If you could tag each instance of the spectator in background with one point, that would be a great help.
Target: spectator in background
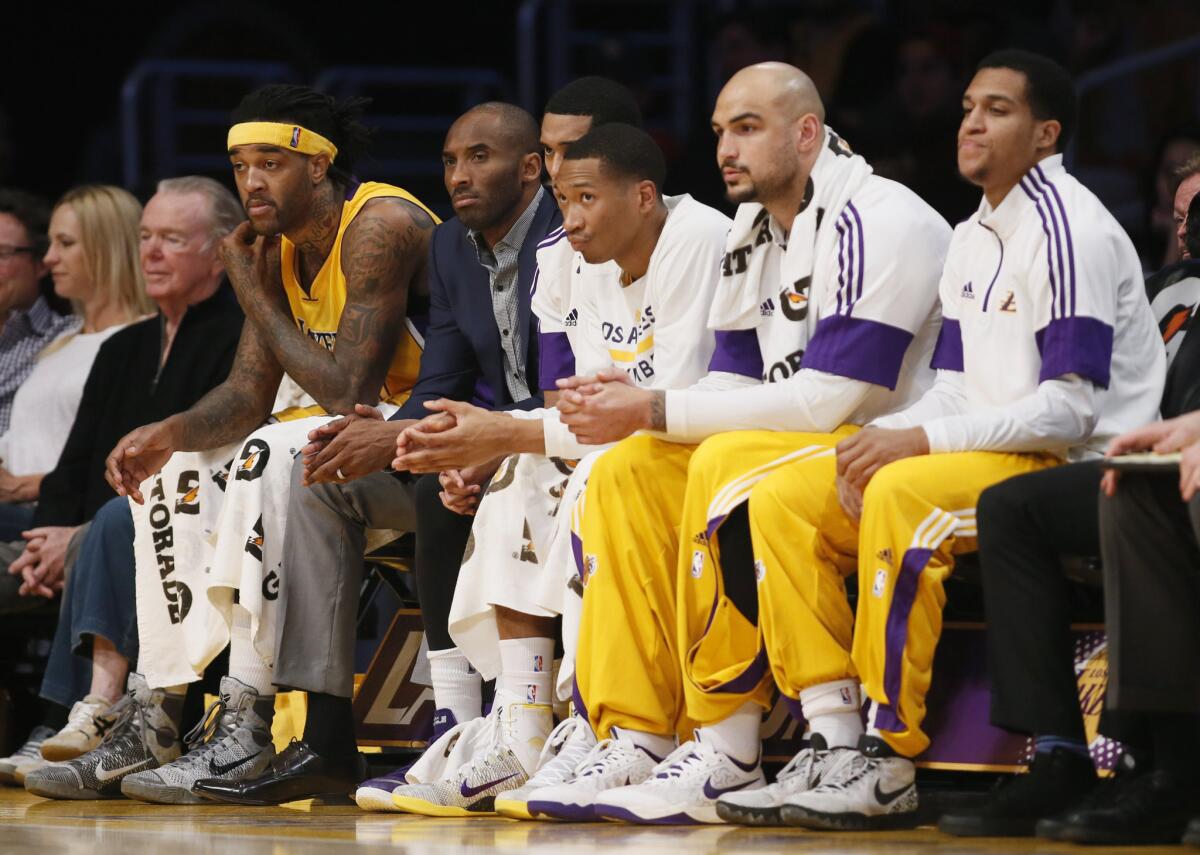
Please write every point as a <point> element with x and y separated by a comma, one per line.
<point>148,371</point>
<point>93,259</point>
<point>911,138</point>
<point>27,321</point>
<point>1176,150</point>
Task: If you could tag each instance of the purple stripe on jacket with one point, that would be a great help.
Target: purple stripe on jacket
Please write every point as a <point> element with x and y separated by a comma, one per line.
<point>858,348</point>
<point>555,359</point>
<point>948,351</point>
<point>737,352</point>
<point>1050,244</point>
<point>862,254</point>
<point>1078,345</point>
<point>1062,209</point>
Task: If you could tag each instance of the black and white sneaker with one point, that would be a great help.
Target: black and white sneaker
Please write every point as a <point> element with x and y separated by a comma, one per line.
<point>143,736</point>
<point>867,789</point>
<point>762,806</point>
<point>231,742</point>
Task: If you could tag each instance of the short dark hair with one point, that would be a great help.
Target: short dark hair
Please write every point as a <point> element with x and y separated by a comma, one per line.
<point>32,212</point>
<point>605,100</point>
<point>520,128</point>
<point>337,121</point>
<point>1049,88</point>
<point>1191,229</point>
<point>627,151</point>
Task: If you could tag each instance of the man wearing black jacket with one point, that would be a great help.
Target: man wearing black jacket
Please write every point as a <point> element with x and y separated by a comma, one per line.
<point>148,371</point>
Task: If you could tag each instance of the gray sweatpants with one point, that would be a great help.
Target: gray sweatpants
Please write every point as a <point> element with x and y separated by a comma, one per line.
<point>322,575</point>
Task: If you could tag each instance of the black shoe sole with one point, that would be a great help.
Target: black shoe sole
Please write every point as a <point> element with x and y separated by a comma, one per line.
<point>977,826</point>
<point>740,815</point>
<point>1103,837</point>
<point>803,818</point>
<point>340,798</point>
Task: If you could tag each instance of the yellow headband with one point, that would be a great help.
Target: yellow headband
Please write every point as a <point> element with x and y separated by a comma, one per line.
<point>290,137</point>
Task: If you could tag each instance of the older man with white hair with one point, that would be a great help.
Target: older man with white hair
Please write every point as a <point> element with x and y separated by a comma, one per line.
<point>154,368</point>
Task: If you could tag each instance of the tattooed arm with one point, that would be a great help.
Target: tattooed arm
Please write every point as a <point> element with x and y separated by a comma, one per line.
<point>226,414</point>
<point>383,252</point>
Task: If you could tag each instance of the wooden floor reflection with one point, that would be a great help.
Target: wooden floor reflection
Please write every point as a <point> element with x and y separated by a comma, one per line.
<point>32,826</point>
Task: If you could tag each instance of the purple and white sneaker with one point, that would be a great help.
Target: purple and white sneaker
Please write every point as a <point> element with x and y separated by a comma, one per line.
<point>683,789</point>
<point>614,762</point>
<point>376,793</point>
<point>515,736</point>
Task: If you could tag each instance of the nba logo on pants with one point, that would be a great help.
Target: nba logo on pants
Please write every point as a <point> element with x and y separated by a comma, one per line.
<point>537,663</point>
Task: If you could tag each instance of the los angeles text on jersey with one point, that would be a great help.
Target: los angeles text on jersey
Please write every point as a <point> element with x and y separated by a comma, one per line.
<point>632,346</point>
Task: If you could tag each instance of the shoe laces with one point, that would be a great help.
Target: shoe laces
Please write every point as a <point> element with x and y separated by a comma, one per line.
<point>211,734</point>
<point>683,760</point>
<point>30,749</point>
<point>82,715</point>
<point>799,771</point>
<point>494,740</point>
<point>128,714</point>
<point>847,769</point>
<point>558,758</point>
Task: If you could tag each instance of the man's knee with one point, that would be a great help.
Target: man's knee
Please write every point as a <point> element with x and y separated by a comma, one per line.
<point>1000,507</point>
<point>626,461</point>
<point>114,519</point>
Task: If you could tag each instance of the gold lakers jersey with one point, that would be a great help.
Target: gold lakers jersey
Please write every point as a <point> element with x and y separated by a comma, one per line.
<point>319,309</point>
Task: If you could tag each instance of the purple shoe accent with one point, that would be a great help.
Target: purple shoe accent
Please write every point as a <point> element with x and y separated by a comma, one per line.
<point>559,810</point>
<point>443,720</point>
<point>716,792</point>
<point>474,791</point>
<point>389,781</point>
<point>621,815</point>
<point>746,767</point>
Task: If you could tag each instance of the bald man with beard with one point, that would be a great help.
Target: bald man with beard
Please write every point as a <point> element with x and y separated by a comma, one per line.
<point>828,299</point>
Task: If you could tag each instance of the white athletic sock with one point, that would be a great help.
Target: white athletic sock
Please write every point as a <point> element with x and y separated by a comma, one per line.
<point>456,685</point>
<point>245,664</point>
<point>526,666</point>
<point>737,736</point>
<point>832,710</point>
<point>658,746</point>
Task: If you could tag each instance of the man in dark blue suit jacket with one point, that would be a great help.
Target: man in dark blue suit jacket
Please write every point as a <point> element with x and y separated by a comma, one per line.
<point>480,345</point>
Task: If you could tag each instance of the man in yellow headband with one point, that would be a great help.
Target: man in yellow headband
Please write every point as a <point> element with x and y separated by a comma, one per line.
<point>323,270</point>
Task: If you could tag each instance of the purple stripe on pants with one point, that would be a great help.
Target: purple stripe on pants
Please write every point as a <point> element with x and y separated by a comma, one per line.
<point>903,596</point>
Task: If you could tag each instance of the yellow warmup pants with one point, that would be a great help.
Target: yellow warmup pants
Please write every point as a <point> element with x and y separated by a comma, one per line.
<point>660,646</point>
<point>918,513</point>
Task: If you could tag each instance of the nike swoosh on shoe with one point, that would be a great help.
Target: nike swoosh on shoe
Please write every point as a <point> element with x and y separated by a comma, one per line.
<point>105,775</point>
<point>223,768</point>
<point>885,798</point>
<point>716,792</point>
<point>468,791</point>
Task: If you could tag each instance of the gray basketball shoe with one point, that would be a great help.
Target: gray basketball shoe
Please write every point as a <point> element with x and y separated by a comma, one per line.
<point>231,742</point>
<point>143,736</point>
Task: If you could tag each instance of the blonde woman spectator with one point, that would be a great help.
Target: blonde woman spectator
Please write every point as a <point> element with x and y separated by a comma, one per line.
<point>93,259</point>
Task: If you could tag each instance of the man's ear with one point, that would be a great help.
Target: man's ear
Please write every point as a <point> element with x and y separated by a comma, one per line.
<point>1047,134</point>
<point>531,167</point>
<point>647,195</point>
<point>808,133</point>
<point>318,167</point>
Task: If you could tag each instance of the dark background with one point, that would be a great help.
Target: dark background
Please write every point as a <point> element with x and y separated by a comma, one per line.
<point>891,71</point>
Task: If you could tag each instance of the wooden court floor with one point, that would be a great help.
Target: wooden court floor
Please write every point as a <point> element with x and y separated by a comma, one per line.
<point>32,826</point>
